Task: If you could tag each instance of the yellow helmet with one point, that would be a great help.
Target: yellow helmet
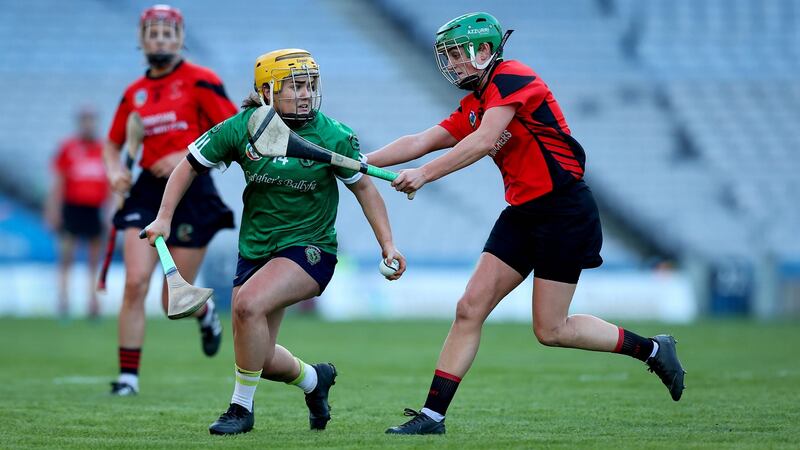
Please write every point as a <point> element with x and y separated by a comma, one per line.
<point>275,67</point>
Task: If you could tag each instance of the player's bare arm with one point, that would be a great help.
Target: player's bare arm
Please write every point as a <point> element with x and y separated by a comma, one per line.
<point>472,148</point>
<point>178,183</point>
<point>118,176</point>
<point>375,211</point>
<point>411,147</point>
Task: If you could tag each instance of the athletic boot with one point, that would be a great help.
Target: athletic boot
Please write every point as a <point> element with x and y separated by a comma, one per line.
<point>665,364</point>
<point>319,412</point>
<point>420,424</point>
<point>211,332</point>
<point>122,389</point>
<point>237,419</point>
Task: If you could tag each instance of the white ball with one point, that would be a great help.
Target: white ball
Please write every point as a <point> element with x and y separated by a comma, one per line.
<point>388,270</point>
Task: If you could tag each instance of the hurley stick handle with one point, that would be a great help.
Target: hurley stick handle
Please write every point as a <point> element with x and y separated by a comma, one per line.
<point>383,174</point>
<point>167,263</point>
<point>166,259</point>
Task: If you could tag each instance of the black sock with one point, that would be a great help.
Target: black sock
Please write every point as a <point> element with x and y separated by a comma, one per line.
<point>443,389</point>
<point>632,344</point>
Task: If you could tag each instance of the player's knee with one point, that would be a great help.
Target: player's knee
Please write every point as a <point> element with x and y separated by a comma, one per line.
<point>469,309</point>
<point>246,307</point>
<point>548,336</point>
<point>136,286</point>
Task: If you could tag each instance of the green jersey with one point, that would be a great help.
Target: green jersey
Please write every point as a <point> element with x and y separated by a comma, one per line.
<point>287,201</point>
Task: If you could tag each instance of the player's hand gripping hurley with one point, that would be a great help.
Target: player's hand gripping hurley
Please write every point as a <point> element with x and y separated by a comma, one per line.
<point>271,137</point>
<point>183,298</point>
<point>134,135</point>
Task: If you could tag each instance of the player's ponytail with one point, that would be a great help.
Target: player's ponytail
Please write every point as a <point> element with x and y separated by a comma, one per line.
<point>251,101</point>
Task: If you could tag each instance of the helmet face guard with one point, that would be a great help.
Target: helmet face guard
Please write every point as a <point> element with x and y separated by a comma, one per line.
<point>302,87</point>
<point>453,56</point>
<point>161,27</point>
<point>457,44</point>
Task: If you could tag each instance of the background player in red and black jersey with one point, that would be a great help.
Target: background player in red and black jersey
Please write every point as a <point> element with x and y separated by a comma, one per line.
<point>551,227</point>
<point>177,101</point>
<point>74,207</point>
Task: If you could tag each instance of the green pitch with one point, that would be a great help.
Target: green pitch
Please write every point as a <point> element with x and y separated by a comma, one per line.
<point>743,389</point>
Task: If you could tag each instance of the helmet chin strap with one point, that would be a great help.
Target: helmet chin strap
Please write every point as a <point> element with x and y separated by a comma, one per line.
<point>261,96</point>
<point>474,61</point>
<point>490,63</point>
<point>260,92</point>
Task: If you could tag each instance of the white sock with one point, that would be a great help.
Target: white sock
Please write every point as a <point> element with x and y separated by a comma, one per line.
<point>432,414</point>
<point>206,320</point>
<point>307,380</point>
<point>129,379</point>
<point>655,350</point>
<point>245,390</point>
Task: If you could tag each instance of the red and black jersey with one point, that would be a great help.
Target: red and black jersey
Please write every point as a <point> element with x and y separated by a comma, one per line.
<point>80,164</point>
<point>535,153</point>
<point>175,109</point>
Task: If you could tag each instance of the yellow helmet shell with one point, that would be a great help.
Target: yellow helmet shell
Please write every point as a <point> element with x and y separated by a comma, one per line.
<point>275,66</point>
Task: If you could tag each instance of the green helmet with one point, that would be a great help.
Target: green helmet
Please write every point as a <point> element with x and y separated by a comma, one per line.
<point>467,32</point>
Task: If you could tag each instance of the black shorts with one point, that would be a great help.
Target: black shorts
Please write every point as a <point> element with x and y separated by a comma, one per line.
<point>81,221</point>
<point>315,262</point>
<point>198,217</point>
<point>555,236</point>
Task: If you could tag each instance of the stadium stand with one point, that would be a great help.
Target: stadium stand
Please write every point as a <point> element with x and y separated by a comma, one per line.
<point>686,109</point>
<point>57,55</point>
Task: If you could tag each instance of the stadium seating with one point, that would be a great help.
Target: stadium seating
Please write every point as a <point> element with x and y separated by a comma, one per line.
<point>686,109</point>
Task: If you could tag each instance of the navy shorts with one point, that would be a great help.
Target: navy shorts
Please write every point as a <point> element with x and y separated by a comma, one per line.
<point>81,221</point>
<point>198,217</point>
<point>317,263</point>
<point>555,236</point>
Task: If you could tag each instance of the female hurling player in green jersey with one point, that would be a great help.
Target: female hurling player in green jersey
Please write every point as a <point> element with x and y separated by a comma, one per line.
<point>287,243</point>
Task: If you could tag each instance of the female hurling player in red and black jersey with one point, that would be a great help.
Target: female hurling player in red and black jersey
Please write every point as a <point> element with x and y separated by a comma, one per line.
<point>177,101</point>
<point>551,227</point>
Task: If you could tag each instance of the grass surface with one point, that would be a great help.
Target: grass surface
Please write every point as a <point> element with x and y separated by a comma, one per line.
<point>743,389</point>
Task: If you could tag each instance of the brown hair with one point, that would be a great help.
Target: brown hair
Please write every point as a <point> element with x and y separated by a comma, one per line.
<point>251,101</point>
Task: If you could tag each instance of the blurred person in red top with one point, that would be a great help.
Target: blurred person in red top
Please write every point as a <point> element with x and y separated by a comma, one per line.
<point>80,190</point>
<point>177,101</point>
